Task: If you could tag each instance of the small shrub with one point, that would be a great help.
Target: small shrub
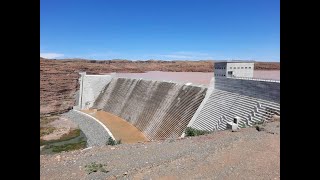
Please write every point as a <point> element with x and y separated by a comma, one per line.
<point>94,167</point>
<point>243,125</point>
<point>195,132</point>
<point>259,128</point>
<point>119,141</point>
<point>113,142</point>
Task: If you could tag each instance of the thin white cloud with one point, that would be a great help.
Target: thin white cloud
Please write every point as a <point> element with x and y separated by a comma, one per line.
<point>175,56</point>
<point>51,55</point>
<point>104,55</point>
<point>190,53</point>
<point>185,55</point>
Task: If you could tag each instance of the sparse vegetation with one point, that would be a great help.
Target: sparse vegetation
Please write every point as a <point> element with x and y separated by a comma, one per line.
<point>68,147</point>
<point>72,134</point>
<point>259,122</point>
<point>44,120</point>
<point>94,167</point>
<point>195,132</point>
<point>242,125</point>
<point>113,142</point>
<point>46,130</point>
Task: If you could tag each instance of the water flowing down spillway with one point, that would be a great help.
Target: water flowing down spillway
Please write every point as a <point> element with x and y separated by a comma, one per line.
<point>159,109</point>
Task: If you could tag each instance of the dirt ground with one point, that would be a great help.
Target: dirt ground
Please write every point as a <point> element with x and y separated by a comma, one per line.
<point>246,154</point>
<point>119,128</point>
<point>61,126</point>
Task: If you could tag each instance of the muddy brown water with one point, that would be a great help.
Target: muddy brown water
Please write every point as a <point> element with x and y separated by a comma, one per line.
<point>120,128</point>
<point>198,78</point>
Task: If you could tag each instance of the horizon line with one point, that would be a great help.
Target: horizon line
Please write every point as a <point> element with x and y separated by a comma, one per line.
<point>117,59</point>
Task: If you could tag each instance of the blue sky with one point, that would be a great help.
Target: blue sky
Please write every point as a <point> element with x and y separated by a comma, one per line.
<point>160,29</point>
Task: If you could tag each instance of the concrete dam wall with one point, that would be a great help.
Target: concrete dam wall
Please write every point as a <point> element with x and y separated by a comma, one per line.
<point>159,109</point>
<point>261,89</point>
<point>252,100</point>
<point>90,88</point>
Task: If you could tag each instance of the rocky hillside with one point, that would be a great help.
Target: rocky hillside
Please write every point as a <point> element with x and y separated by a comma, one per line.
<point>58,78</point>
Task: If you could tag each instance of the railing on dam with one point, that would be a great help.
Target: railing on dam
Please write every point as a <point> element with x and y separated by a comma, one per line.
<point>254,79</point>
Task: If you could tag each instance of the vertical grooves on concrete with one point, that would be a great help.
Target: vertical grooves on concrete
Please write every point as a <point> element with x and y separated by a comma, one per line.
<point>159,109</point>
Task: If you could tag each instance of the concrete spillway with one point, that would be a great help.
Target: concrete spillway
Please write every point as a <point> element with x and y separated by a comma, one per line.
<point>158,109</point>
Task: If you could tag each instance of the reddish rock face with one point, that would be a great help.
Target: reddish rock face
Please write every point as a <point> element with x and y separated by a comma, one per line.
<point>59,78</point>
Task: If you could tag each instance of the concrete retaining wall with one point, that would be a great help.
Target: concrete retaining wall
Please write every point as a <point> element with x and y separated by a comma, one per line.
<point>266,90</point>
<point>159,109</point>
<point>90,88</point>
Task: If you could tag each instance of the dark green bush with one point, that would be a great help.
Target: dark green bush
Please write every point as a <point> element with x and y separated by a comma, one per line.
<point>94,167</point>
<point>113,142</point>
<point>195,132</point>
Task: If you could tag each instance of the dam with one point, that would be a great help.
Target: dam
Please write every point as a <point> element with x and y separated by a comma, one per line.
<point>164,109</point>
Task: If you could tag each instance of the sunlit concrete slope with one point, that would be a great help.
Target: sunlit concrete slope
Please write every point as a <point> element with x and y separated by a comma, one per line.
<point>252,100</point>
<point>159,109</point>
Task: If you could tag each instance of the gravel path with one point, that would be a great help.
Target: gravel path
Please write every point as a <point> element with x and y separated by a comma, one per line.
<point>247,154</point>
<point>95,133</point>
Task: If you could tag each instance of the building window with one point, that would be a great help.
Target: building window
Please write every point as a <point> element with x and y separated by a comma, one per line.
<point>249,67</point>
<point>230,67</point>
<point>246,67</point>
<point>238,67</point>
<point>234,67</point>
<point>241,67</point>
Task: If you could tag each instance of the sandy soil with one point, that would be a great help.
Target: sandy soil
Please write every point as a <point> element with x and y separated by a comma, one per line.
<point>119,127</point>
<point>62,126</point>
